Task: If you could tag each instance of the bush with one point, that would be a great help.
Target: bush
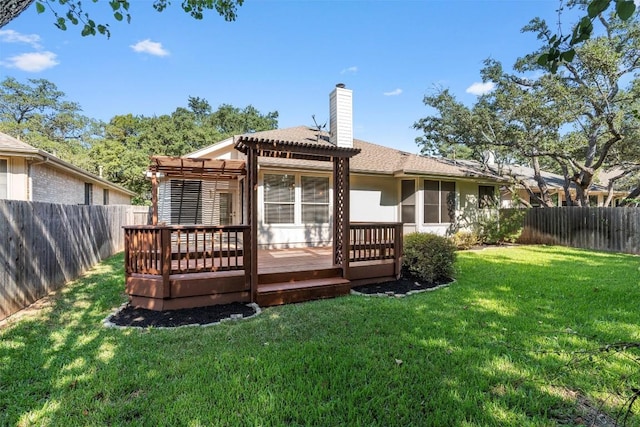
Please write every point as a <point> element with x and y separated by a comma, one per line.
<point>428,257</point>
<point>465,239</point>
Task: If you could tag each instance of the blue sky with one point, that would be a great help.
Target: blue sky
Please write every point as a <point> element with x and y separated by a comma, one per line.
<point>278,55</point>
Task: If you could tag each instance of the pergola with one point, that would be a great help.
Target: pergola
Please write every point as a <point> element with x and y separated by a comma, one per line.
<point>254,147</point>
<point>191,168</point>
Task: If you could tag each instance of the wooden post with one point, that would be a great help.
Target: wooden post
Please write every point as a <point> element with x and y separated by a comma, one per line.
<point>252,216</point>
<point>345,218</point>
<point>165,239</point>
<point>127,245</point>
<point>154,198</point>
<point>341,236</point>
<point>246,258</point>
<point>397,251</point>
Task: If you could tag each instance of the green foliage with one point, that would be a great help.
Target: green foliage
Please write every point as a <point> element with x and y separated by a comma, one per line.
<point>575,122</point>
<point>464,239</point>
<point>561,48</point>
<point>39,114</point>
<point>428,257</point>
<point>76,13</point>
<point>511,223</point>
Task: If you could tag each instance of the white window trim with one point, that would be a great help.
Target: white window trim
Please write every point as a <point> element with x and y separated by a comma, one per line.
<point>297,201</point>
<point>456,191</point>
<point>9,176</point>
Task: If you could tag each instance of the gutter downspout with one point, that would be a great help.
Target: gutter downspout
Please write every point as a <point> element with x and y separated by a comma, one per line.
<point>30,163</point>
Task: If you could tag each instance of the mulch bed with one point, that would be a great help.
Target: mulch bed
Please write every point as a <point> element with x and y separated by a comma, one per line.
<point>402,286</point>
<point>141,317</point>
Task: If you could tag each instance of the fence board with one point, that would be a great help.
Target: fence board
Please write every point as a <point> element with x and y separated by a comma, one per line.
<point>607,229</point>
<point>44,245</point>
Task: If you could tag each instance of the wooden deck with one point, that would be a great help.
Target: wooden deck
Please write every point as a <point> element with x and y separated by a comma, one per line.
<point>181,267</point>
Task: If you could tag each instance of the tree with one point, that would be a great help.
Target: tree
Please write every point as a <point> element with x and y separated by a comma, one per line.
<point>37,112</point>
<point>579,120</point>
<point>73,12</point>
<point>561,48</point>
<point>123,154</point>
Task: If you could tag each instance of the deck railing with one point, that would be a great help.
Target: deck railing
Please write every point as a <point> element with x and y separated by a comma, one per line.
<point>179,249</point>
<point>374,241</point>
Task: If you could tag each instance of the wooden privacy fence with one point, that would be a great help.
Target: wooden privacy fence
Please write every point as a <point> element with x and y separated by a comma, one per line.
<point>44,245</point>
<point>607,229</point>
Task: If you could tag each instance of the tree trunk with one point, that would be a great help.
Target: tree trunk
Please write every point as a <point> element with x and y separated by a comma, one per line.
<point>631,197</point>
<point>11,9</point>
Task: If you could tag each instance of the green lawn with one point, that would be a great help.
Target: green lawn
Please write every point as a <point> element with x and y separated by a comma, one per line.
<point>512,342</point>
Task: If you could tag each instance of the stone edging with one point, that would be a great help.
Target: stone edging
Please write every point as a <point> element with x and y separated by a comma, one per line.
<point>392,294</point>
<point>107,323</point>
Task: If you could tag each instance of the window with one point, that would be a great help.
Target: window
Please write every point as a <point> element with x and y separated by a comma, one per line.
<point>533,199</point>
<point>105,196</point>
<point>225,208</point>
<point>593,201</point>
<point>279,199</point>
<point>88,193</point>
<point>186,201</point>
<point>486,196</point>
<point>408,212</point>
<point>4,178</point>
<point>315,199</point>
<point>439,201</point>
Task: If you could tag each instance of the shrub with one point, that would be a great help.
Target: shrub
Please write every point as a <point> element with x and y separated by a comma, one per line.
<point>428,257</point>
<point>465,239</point>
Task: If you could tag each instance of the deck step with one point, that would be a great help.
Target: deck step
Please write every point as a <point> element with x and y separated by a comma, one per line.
<point>298,276</point>
<point>303,290</point>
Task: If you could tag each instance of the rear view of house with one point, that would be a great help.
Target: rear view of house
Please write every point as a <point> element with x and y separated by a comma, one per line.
<point>289,215</point>
<point>295,197</point>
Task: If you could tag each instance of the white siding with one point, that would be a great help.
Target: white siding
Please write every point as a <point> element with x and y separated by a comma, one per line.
<point>17,178</point>
<point>374,199</point>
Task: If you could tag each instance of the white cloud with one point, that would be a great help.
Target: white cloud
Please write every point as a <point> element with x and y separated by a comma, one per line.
<point>11,36</point>
<point>152,48</point>
<point>480,88</point>
<point>393,92</point>
<point>32,62</point>
<point>350,70</point>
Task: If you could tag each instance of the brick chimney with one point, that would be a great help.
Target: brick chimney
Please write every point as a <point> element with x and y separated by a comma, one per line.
<point>341,116</point>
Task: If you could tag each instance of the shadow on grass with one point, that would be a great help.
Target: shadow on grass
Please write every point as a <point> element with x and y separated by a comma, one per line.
<point>465,355</point>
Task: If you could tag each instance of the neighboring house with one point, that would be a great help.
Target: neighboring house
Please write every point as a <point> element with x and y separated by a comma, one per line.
<point>295,197</point>
<point>555,184</point>
<point>27,173</point>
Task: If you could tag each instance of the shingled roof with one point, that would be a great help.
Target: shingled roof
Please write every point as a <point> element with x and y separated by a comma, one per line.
<point>11,146</point>
<point>373,158</point>
<point>14,145</point>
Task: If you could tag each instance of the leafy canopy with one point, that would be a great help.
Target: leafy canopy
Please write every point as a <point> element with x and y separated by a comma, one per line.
<point>74,12</point>
<point>39,113</point>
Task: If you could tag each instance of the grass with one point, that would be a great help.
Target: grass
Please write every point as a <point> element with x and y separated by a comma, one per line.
<point>513,342</point>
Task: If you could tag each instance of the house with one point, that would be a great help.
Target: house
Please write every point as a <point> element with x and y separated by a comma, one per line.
<point>555,184</point>
<point>250,218</point>
<point>30,174</point>
<point>295,197</point>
